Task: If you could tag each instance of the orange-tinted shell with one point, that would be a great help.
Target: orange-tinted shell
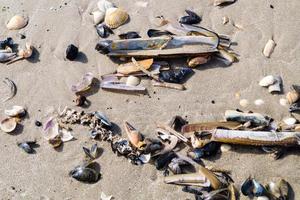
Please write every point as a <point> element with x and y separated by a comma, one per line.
<point>115,17</point>
<point>16,22</point>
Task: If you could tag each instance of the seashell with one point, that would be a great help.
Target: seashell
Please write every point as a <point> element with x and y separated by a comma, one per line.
<point>159,21</point>
<point>80,100</point>
<point>129,35</point>
<point>277,86</point>
<point>176,75</point>
<point>103,5</point>
<point>115,17</point>
<point>297,128</point>
<point>71,52</point>
<point>267,81</point>
<point>225,20</point>
<point>28,146</point>
<point>145,158</point>
<point>84,84</point>
<point>16,22</point>
<point>259,102</point>
<point>198,61</point>
<point>191,18</point>
<point>86,173</point>
<point>8,42</point>
<point>131,67</point>
<point>283,102</point>
<point>263,198</point>
<point>133,81</point>
<point>105,197</point>
<point>23,53</point>
<point>65,135</point>
<point>225,148</point>
<point>289,121</point>
<point>103,30</point>
<point>214,181</point>
<point>269,48</point>
<point>244,102</point>
<point>98,16</point>
<point>92,153</point>
<point>12,87</point>
<point>4,57</point>
<point>102,117</point>
<point>223,2</point>
<point>51,129</point>
<point>293,96</point>
<point>158,33</point>
<point>55,142</point>
<point>134,136</point>
<point>8,125</point>
<point>15,111</point>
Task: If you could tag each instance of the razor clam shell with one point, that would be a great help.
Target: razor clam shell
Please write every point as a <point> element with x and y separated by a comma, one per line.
<point>202,126</point>
<point>256,138</point>
<point>188,179</point>
<point>13,89</point>
<point>256,118</point>
<point>121,86</point>
<point>215,183</point>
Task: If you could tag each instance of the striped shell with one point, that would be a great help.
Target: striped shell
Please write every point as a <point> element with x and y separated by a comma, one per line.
<point>115,17</point>
<point>16,22</point>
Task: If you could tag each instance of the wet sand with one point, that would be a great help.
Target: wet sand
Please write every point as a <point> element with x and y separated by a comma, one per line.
<point>44,84</point>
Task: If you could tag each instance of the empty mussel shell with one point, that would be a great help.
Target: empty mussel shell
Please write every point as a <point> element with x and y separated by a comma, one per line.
<point>176,75</point>
<point>8,42</point>
<point>158,33</point>
<point>71,52</point>
<point>251,187</point>
<point>121,147</point>
<point>129,35</point>
<point>91,153</point>
<point>223,2</point>
<point>16,111</point>
<point>191,18</point>
<point>103,118</point>
<point>85,173</point>
<point>28,146</point>
<point>103,30</point>
<point>295,107</point>
<point>8,125</point>
<point>206,151</point>
<point>280,189</point>
<point>164,159</point>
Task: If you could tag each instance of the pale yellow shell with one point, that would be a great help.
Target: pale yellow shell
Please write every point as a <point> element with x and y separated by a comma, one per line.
<point>16,22</point>
<point>115,17</point>
<point>292,96</point>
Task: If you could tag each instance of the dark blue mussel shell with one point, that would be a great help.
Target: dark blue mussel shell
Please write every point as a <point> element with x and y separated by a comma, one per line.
<point>176,75</point>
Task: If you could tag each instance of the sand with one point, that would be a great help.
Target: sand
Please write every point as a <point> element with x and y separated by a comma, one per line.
<point>44,84</point>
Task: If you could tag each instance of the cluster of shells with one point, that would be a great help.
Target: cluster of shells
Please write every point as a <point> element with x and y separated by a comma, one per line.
<point>112,16</point>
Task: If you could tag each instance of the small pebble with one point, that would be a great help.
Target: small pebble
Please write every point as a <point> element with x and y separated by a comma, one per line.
<point>225,148</point>
<point>22,36</point>
<point>244,102</point>
<point>38,123</point>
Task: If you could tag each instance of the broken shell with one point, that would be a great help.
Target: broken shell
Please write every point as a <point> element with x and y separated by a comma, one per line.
<point>80,100</point>
<point>56,141</point>
<point>103,5</point>
<point>13,88</point>
<point>91,153</point>
<point>225,148</point>
<point>133,81</point>
<point>84,84</point>
<point>115,17</point>
<point>293,96</point>
<point>160,21</point>
<point>269,48</point>
<point>191,18</point>
<point>65,135</point>
<point>8,125</point>
<point>223,2</point>
<point>277,86</point>
<point>103,118</point>
<point>71,52</point>
<point>267,81</point>
<point>129,35</point>
<point>283,101</point>
<point>263,198</point>
<point>259,102</point>
<point>198,61</point>
<point>105,197</point>
<point>16,22</point>
<point>134,136</point>
<point>131,67</point>
<point>15,111</point>
<point>214,181</point>
<point>290,121</point>
<point>225,20</point>
<point>103,30</point>
<point>244,102</point>
<point>98,16</point>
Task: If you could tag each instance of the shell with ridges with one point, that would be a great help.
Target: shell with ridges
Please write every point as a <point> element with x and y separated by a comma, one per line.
<point>292,96</point>
<point>16,22</point>
<point>115,17</point>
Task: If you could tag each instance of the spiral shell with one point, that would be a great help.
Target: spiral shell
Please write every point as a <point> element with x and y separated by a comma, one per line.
<point>292,96</point>
<point>115,17</point>
<point>16,22</point>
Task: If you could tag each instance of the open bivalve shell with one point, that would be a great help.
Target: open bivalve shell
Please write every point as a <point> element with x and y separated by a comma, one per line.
<point>8,125</point>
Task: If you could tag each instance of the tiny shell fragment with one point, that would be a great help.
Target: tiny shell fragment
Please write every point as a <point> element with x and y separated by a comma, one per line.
<point>283,102</point>
<point>267,81</point>
<point>269,48</point>
<point>133,81</point>
<point>259,102</point>
<point>225,147</point>
<point>225,20</point>
<point>244,102</point>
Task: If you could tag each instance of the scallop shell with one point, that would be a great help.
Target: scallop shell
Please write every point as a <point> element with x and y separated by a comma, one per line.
<point>16,22</point>
<point>115,17</point>
<point>98,16</point>
<point>289,121</point>
<point>269,48</point>
<point>15,111</point>
<point>133,81</point>
<point>8,125</point>
<point>244,102</point>
<point>267,80</point>
<point>259,102</point>
<point>103,5</point>
<point>292,96</point>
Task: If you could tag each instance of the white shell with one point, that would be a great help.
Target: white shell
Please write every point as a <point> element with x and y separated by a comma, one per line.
<point>259,102</point>
<point>98,16</point>
<point>16,110</point>
<point>283,102</point>
<point>8,125</point>
<point>289,121</point>
<point>105,197</point>
<point>16,22</point>
<point>225,20</point>
<point>263,198</point>
<point>269,48</point>
<point>267,80</point>
<point>145,158</point>
<point>244,102</point>
<point>133,81</point>
<point>276,87</point>
<point>51,129</point>
<point>103,5</point>
<point>66,135</point>
<point>225,147</point>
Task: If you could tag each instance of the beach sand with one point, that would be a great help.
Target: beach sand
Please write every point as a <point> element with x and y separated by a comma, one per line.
<point>44,82</point>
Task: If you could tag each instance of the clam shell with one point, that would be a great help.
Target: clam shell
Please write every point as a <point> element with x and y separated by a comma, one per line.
<point>269,48</point>
<point>289,121</point>
<point>259,102</point>
<point>225,147</point>
<point>103,5</point>
<point>16,22</point>
<point>98,16</point>
<point>115,17</point>
<point>8,125</point>
<point>131,67</point>
<point>133,81</point>
<point>267,81</point>
<point>198,61</point>
<point>244,102</point>
<point>15,111</point>
<point>292,96</point>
